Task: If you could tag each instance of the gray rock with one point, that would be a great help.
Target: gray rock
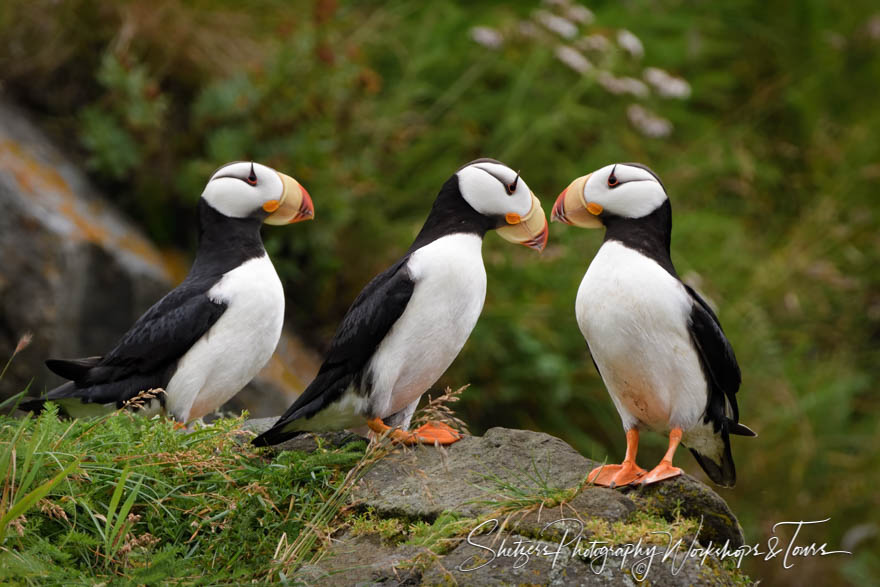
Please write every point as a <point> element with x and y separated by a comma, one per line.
<point>344,564</point>
<point>692,499</point>
<point>478,475</point>
<point>472,476</point>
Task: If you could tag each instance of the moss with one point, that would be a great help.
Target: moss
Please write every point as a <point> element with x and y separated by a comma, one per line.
<point>443,534</point>
<point>392,530</point>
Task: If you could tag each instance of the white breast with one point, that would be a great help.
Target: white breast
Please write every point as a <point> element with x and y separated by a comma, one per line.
<point>447,300</point>
<point>634,316</point>
<point>236,347</point>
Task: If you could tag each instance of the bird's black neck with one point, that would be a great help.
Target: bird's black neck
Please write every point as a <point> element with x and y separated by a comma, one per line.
<point>650,235</point>
<point>224,242</point>
<point>451,214</point>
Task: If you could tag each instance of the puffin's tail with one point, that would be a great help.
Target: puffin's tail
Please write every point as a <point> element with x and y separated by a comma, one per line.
<point>36,405</point>
<point>715,457</point>
<point>276,435</point>
<point>69,369</point>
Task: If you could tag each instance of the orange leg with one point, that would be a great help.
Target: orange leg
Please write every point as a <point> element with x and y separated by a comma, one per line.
<point>430,433</point>
<point>623,474</point>
<point>665,470</point>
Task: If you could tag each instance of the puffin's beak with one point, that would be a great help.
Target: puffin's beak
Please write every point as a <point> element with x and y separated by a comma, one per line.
<point>571,208</point>
<point>295,204</point>
<point>530,230</point>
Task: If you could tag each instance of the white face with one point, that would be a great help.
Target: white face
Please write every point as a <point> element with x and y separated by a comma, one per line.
<point>241,189</point>
<point>493,189</point>
<point>624,190</point>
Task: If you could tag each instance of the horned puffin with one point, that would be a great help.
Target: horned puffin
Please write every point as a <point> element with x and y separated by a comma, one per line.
<point>410,322</point>
<point>656,343</point>
<point>208,337</point>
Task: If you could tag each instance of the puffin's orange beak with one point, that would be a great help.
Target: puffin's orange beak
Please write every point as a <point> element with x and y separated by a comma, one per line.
<point>571,208</point>
<point>295,204</point>
<point>306,208</point>
<point>530,230</point>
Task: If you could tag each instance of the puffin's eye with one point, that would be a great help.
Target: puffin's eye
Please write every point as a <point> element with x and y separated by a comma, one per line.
<point>612,180</point>
<point>252,178</point>
<point>511,188</point>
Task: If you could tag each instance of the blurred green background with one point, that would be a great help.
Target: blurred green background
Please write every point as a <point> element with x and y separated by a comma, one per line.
<point>762,121</point>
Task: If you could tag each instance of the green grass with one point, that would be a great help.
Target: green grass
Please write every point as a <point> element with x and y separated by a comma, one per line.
<point>131,501</point>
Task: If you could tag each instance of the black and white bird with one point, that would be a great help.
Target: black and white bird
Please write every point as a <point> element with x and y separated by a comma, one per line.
<point>656,343</point>
<point>410,322</point>
<point>209,336</point>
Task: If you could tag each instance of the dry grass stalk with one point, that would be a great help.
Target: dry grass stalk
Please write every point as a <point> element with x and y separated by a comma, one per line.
<point>439,409</point>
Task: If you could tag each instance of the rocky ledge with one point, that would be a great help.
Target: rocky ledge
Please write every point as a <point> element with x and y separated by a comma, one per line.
<point>511,507</point>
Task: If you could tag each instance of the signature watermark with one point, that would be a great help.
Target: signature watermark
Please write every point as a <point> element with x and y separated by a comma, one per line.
<point>639,557</point>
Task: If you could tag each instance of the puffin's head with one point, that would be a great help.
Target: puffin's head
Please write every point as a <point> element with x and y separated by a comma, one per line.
<point>498,192</point>
<point>245,189</point>
<point>624,190</point>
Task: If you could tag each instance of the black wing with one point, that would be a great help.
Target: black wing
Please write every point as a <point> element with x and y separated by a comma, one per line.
<point>363,327</point>
<point>145,355</point>
<point>718,361</point>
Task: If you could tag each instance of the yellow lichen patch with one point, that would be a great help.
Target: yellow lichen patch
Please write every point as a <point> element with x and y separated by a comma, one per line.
<point>85,219</point>
<point>32,176</point>
<point>86,230</point>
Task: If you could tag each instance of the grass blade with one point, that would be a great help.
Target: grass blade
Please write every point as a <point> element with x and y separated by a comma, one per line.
<point>22,505</point>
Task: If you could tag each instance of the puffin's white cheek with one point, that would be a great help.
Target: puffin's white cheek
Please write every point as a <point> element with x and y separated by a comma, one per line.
<point>231,197</point>
<point>635,199</point>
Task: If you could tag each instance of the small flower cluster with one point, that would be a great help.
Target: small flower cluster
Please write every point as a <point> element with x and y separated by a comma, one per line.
<point>562,24</point>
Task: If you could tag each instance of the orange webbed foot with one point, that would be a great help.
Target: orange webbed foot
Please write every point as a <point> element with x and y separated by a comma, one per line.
<point>434,432</point>
<point>664,470</point>
<point>616,475</point>
<point>430,433</point>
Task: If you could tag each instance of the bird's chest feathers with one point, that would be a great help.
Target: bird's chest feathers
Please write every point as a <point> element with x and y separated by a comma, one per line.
<point>450,285</point>
<point>239,344</point>
<point>253,296</point>
<point>625,292</point>
<point>450,288</point>
<point>634,316</point>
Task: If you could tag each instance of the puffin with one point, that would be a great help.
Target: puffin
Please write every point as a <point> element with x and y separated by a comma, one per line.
<point>658,346</point>
<point>208,337</point>
<point>409,323</point>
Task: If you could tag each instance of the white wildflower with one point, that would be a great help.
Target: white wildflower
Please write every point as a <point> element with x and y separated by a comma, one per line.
<point>872,27</point>
<point>580,13</point>
<point>667,85</point>
<point>647,123</point>
<point>630,43</point>
<point>622,85</point>
<point>489,38</point>
<point>596,43</point>
<point>561,26</point>
<point>573,58</point>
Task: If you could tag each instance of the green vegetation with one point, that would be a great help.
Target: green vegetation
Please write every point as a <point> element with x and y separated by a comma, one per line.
<point>135,501</point>
<point>772,165</point>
